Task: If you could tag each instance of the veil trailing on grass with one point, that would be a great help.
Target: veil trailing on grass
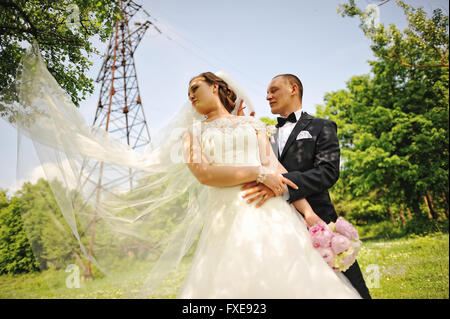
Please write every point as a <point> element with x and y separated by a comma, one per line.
<point>129,218</point>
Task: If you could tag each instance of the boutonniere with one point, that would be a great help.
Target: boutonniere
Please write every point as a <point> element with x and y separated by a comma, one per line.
<point>271,130</point>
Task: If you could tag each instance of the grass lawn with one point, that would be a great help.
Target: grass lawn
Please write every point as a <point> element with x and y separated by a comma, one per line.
<point>408,268</point>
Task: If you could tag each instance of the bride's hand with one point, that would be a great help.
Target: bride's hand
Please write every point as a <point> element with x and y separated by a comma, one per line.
<point>277,183</point>
<point>241,108</point>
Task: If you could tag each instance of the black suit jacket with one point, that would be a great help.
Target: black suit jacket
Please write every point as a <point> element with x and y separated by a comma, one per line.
<point>312,163</point>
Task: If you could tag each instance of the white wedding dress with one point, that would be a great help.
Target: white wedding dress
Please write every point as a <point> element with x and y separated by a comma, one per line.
<point>249,252</point>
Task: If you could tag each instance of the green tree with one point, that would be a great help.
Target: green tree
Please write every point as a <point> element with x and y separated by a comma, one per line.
<point>64,30</point>
<point>16,255</point>
<point>43,224</point>
<point>268,120</point>
<point>393,123</point>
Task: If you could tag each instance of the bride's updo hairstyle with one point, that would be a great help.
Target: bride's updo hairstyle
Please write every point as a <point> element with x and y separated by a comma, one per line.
<point>226,95</point>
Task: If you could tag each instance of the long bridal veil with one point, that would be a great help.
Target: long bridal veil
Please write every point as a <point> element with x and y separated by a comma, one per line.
<point>127,219</point>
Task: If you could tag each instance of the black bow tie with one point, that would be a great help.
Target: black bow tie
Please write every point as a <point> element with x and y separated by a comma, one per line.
<point>282,120</point>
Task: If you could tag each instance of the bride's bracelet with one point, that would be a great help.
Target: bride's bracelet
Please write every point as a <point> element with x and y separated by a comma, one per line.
<point>262,174</point>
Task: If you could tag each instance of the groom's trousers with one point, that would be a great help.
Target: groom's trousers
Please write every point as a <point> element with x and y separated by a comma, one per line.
<point>355,276</point>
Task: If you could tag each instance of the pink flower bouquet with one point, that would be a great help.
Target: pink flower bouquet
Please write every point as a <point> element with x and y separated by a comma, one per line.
<point>338,243</point>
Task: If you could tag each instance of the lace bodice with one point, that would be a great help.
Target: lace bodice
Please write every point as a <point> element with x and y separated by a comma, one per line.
<point>232,141</point>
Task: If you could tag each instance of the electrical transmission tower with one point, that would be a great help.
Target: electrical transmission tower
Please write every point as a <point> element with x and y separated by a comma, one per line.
<point>120,113</point>
<point>119,108</point>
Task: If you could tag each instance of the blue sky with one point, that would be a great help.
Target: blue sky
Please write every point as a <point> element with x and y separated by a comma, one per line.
<point>252,40</point>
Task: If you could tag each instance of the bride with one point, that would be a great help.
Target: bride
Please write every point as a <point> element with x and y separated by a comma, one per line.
<point>242,251</point>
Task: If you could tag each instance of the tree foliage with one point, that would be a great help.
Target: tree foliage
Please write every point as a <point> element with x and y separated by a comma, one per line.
<point>35,236</point>
<point>64,31</point>
<point>16,255</point>
<point>393,123</point>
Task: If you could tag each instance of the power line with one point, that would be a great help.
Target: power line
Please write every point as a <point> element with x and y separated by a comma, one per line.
<point>258,86</point>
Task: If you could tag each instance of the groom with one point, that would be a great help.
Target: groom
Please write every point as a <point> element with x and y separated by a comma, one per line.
<point>308,148</point>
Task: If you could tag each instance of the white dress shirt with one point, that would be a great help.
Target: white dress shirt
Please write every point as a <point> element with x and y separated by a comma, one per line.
<point>283,135</point>
<point>286,130</point>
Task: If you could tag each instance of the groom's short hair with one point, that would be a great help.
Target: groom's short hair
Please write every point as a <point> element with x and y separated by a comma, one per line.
<point>292,79</point>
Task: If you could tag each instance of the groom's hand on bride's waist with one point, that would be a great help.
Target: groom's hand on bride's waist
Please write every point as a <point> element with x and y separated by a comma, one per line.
<point>254,190</point>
